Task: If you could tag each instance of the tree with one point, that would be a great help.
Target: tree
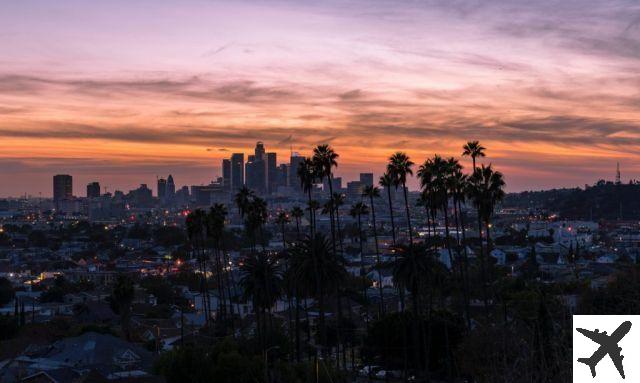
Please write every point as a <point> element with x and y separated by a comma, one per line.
<point>325,159</point>
<point>315,268</point>
<point>282,220</point>
<point>387,181</point>
<point>474,150</point>
<point>307,175</point>
<point>196,224</point>
<point>399,168</point>
<point>261,281</point>
<point>297,213</point>
<point>215,222</point>
<point>357,211</point>
<point>372,192</point>
<point>486,189</point>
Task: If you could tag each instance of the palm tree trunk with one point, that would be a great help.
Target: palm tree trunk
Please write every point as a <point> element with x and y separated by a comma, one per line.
<point>483,267</point>
<point>230,281</point>
<point>333,226</point>
<point>406,205</point>
<point>465,261</point>
<point>393,225</point>
<point>362,275</point>
<point>375,238</point>
<point>339,227</point>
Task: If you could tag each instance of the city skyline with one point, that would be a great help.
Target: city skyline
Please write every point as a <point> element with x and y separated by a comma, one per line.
<point>122,92</point>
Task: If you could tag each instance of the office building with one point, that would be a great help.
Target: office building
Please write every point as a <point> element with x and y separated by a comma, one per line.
<point>294,163</point>
<point>162,189</point>
<point>93,190</point>
<point>337,184</point>
<point>256,174</point>
<point>366,179</point>
<point>171,188</point>
<point>226,174</point>
<point>62,187</point>
<point>272,172</point>
<point>237,171</point>
<point>354,190</point>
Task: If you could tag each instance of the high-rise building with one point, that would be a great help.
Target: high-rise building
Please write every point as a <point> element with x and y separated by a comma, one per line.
<point>282,175</point>
<point>162,189</point>
<point>259,151</point>
<point>256,174</point>
<point>93,190</point>
<point>272,172</point>
<point>294,162</point>
<point>171,188</point>
<point>226,174</point>
<point>237,171</point>
<point>366,179</point>
<point>62,187</point>
<point>337,184</point>
<point>354,190</point>
<point>142,196</point>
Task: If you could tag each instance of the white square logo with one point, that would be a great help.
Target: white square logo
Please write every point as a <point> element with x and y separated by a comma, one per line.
<point>606,348</point>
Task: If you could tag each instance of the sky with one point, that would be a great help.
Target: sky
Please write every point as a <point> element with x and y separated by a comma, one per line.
<point>121,92</point>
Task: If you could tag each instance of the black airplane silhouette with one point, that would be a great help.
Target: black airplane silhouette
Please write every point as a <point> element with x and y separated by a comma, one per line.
<point>608,345</point>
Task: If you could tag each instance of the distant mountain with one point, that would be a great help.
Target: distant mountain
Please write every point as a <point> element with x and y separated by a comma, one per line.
<point>603,200</point>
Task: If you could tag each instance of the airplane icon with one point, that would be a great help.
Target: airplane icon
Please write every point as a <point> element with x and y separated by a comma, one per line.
<point>608,345</point>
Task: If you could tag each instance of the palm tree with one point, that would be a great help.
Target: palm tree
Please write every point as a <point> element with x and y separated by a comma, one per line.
<point>261,281</point>
<point>372,192</point>
<point>411,272</point>
<point>338,201</point>
<point>308,177</point>
<point>255,219</point>
<point>458,186</point>
<point>215,230</point>
<point>315,268</point>
<point>474,150</point>
<point>399,168</point>
<point>282,220</point>
<point>196,228</point>
<point>486,190</point>
<point>242,199</point>
<point>325,159</point>
<point>387,181</point>
<point>357,211</point>
<point>297,213</point>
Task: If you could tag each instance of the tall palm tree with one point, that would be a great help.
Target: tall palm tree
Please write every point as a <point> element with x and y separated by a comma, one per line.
<point>308,177</point>
<point>242,199</point>
<point>196,229</point>
<point>261,281</point>
<point>458,186</point>
<point>297,213</point>
<point>338,201</point>
<point>215,230</point>
<point>399,168</point>
<point>372,192</point>
<point>474,150</point>
<point>282,220</point>
<point>357,211</point>
<point>255,219</point>
<point>486,190</point>
<point>315,268</point>
<point>387,181</point>
<point>325,159</point>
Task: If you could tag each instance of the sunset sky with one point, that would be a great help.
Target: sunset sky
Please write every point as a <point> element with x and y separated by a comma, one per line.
<point>122,91</point>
